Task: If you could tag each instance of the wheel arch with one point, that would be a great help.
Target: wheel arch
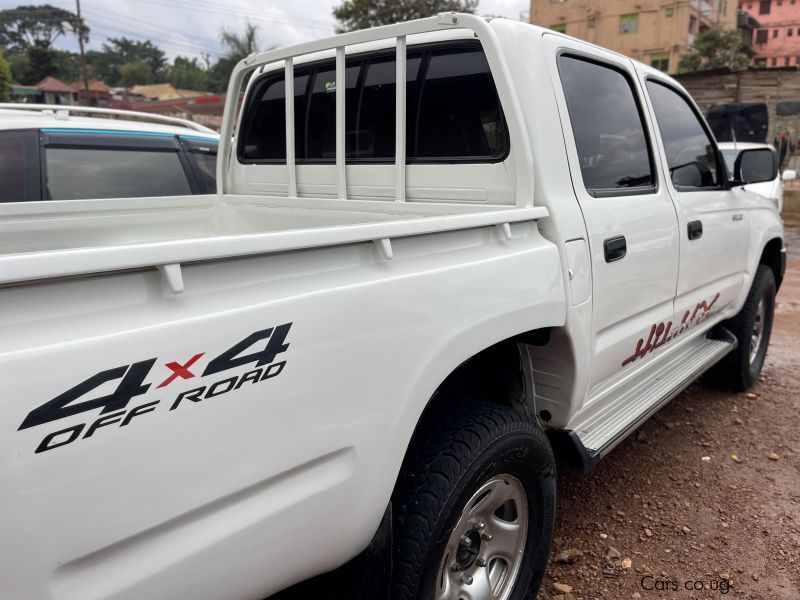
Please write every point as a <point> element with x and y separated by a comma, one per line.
<point>773,256</point>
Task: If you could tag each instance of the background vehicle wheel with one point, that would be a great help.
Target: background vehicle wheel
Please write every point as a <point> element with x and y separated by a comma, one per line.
<point>752,327</point>
<point>474,507</point>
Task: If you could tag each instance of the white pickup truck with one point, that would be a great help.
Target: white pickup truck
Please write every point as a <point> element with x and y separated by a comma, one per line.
<point>458,248</point>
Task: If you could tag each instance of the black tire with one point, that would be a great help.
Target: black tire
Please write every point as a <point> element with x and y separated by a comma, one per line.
<point>737,372</point>
<point>452,455</point>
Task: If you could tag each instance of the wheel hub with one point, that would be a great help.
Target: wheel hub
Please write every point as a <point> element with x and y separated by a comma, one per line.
<point>484,552</point>
<point>468,550</point>
<point>758,330</point>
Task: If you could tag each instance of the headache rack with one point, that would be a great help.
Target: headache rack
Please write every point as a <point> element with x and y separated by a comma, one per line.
<point>63,111</point>
<point>521,153</point>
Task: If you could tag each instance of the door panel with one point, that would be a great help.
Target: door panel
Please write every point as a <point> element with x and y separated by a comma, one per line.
<point>712,262</point>
<point>621,195</point>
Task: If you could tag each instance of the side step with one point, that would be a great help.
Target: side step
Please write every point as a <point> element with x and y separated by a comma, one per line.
<point>608,420</point>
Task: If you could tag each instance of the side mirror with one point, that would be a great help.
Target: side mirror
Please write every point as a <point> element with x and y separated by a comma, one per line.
<point>755,165</point>
<point>789,175</point>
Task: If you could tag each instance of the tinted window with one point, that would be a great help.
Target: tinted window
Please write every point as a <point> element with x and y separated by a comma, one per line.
<point>78,173</point>
<point>460,113</point>
<point>374,131</point>
<point>203,160</point>
<point>265,122</point>
<point>607,125</point>
<point>320,129</point>
<point>452,110</point>
<point>19,166</point>
<point>691,155</point>
<point>730,158</point>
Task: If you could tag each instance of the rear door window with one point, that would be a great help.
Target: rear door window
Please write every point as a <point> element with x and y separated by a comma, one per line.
<point>82,173</point>
<point>20,179</point>
<point>608,127</point>
<point>202,155</point>
<point>112,164</point>
<point>453,112</point>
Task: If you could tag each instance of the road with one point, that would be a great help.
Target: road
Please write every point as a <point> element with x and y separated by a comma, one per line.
<point>655,518</point>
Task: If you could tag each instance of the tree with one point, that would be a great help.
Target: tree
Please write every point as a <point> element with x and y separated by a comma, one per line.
<point>5,79</point>
<point>188,74</point>
<point>135,73</point>
<point>33,65</point>
<point>238,46</point>
<point>715,48</point>
<point>41,63</point>
<point>37,26</point>
<point>20,68</point>
<point>106,64</point>
<point>362,14</point>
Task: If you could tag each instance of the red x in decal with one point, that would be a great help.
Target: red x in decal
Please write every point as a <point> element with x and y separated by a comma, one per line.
<point>179,370</point>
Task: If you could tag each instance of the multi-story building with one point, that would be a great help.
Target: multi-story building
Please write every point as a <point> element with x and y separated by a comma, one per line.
<point>777,39</point>
<point>656,32</point>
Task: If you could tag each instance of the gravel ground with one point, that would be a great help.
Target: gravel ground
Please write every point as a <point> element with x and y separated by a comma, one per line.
<point>703,501</point>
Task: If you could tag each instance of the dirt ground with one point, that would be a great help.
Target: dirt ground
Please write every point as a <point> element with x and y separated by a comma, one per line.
<point>657,520</point>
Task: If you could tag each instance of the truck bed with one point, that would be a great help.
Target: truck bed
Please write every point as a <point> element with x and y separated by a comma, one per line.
<point>55,239</point>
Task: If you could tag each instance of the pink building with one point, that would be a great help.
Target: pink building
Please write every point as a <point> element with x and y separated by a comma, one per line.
<point>777,40</point>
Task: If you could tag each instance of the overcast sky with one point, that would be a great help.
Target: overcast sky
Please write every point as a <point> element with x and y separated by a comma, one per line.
<point>190,27</point>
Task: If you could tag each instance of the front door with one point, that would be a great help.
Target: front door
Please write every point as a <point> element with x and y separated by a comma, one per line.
<point>714,237</point>
<point>630,218</point>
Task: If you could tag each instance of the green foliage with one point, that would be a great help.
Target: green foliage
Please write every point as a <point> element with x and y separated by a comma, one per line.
<point>362,14</point>
<point>106,64</point>
<point>188,74</point>
<point>28,33</point>
<point>20,68</point>
<point>5,79</point>
<point>33,65</point>
<point>135,73</point>
<point>716,48</point>
<point>37,26</point>
<point>66,66</point>
<point>238,46</point>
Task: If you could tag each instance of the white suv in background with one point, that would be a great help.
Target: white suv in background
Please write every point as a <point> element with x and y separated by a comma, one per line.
<point>769,189</point>
<point>59,153</point>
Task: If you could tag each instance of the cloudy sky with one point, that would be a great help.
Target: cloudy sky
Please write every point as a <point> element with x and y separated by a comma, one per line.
<point>191,27</point>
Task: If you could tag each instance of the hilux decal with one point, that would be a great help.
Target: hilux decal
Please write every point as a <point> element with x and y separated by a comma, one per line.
<point>663,333</point>
<point>132,382</point>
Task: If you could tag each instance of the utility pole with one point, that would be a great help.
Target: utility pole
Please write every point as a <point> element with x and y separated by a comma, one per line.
<point>83,54</point>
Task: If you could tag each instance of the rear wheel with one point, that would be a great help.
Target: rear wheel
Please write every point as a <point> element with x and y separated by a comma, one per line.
<point>474,508</point>
<point>752,328</point>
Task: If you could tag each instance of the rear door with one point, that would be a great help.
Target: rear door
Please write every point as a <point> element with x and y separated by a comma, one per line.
<point>714,236</point>
<point>630,219</point>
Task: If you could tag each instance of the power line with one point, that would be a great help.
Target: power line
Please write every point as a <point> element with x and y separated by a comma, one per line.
<point>103,23</point>
<point>109,21</point>
<point>229,11</point>
<point>170,45</point>
<point>121,18</point>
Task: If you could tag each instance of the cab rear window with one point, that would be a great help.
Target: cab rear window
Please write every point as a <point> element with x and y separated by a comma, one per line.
<point>453,112</point>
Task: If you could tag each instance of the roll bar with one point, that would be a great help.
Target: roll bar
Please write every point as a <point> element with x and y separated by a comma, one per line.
<point>521,151</point>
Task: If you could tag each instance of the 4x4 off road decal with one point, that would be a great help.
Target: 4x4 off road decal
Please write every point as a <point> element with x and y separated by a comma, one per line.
<point>133,382</point>
<point>663,333</point>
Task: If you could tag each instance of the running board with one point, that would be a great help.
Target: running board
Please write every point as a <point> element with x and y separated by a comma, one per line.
<point>608,421</point>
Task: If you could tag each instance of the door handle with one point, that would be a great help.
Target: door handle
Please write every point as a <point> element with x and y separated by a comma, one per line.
<point>615,248</point>
<point>695,230</point>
